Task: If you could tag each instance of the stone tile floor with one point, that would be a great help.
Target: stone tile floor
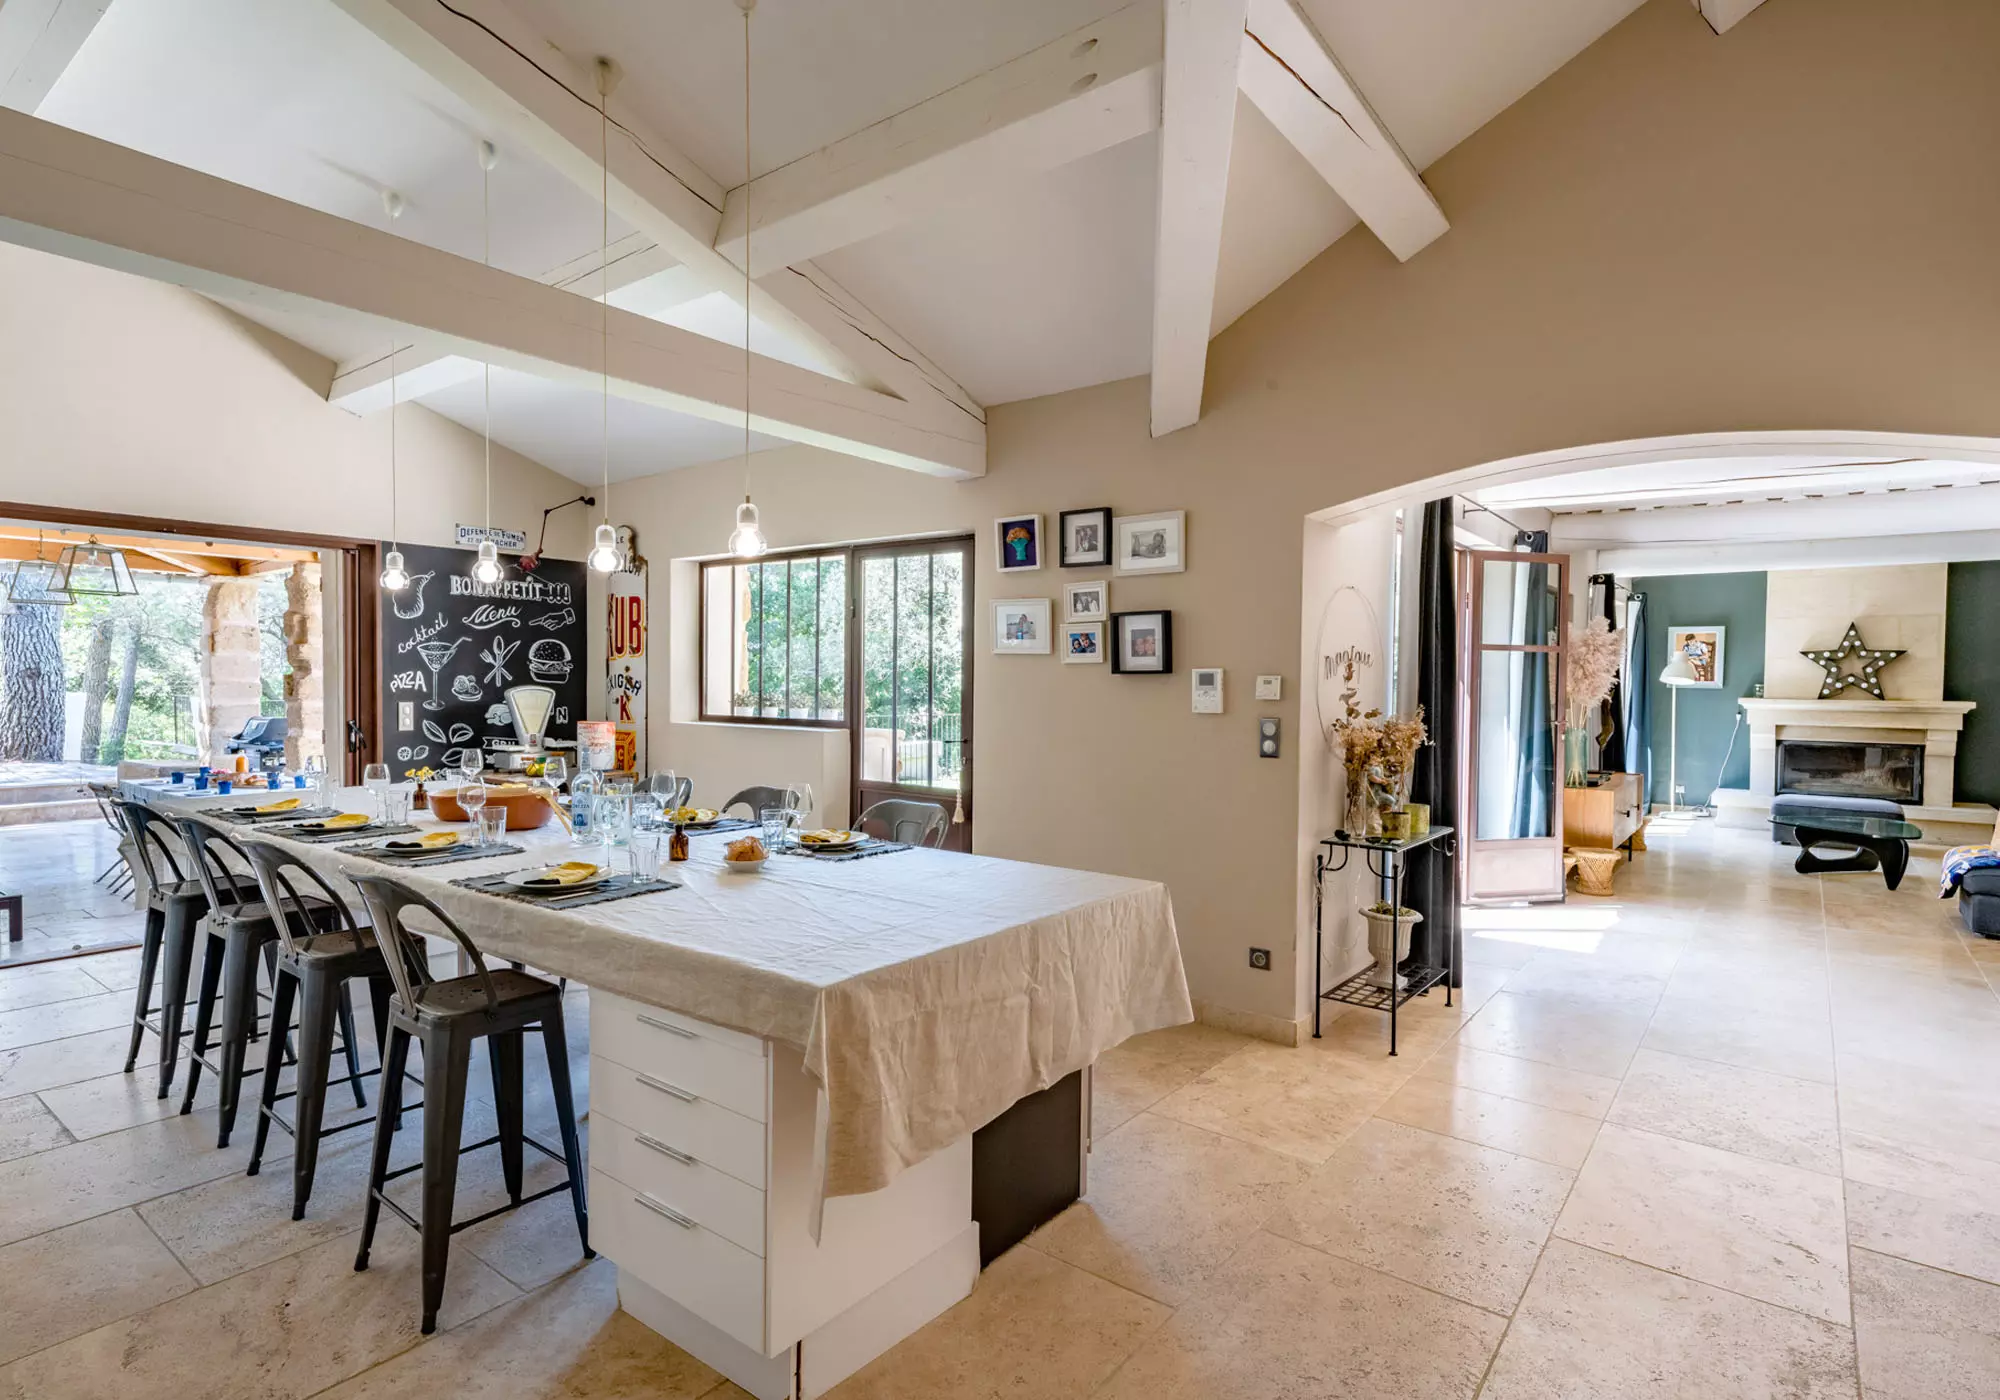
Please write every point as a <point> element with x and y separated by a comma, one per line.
<point>53,866</point>
<point>1727,1134</point>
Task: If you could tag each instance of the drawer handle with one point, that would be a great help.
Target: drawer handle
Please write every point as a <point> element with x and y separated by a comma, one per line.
<point>657,1024</point>
<point>683,1095</point>
<point>659,1209</point>
<point>685,1159</point>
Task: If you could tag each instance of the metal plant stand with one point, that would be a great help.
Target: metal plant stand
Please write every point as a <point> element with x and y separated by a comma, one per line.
<point>1387,861</point>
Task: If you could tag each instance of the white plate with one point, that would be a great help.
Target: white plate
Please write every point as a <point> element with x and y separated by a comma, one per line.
<point>744,867</point>
<point>520,878</point>
<point>854,839</point>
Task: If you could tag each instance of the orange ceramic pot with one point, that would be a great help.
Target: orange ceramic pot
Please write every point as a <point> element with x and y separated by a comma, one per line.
<point>526,807</point>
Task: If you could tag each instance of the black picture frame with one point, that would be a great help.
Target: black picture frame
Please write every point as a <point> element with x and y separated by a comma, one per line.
<point>1101,557</point>
<point>1117,642</point>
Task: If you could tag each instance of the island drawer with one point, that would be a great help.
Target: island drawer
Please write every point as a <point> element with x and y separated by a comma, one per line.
<point>733,1209</point>
<point>705,1060</point>
<point>669,1249</point>
<point>652,1104</point>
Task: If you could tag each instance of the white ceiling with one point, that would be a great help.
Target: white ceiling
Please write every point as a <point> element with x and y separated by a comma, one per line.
<point>1732,480</point>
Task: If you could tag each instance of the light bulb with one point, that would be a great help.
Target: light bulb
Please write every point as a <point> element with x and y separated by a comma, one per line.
<point>604,552</point>
<point>747,541</point>
<point>486,568</point>
<point>395,577</point>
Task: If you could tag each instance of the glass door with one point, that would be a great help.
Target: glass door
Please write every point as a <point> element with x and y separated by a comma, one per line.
<point>910,678</point>
<point>1518,627</point>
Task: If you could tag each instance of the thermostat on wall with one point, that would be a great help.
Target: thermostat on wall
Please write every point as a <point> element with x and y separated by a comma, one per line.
<point>1270,687</point>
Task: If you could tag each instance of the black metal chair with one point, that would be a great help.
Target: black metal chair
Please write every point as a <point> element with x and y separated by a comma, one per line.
<point>918,823</point>
<point>318,961</point>
<point>241,931</point>
<point>756,799</point>
<point>444,1018</point>
<point>175,906</point>
<point>119,873</point>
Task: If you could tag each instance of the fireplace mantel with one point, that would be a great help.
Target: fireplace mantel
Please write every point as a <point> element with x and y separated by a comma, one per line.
<point>1933,723</point>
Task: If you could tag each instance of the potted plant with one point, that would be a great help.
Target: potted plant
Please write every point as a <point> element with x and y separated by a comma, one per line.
<point>1389,941</point>
<point>1379,754</point>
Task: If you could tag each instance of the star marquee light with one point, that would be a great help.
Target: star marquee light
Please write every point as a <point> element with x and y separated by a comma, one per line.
<point>1867,679</point>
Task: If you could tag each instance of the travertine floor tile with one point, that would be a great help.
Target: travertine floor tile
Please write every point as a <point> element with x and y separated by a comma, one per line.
<point>1530,1081</point>
<point>93,1107</point>
<point>1546,1134</point>
<point>1168,1202</point>
<point>1592,1040</point>
<point>1953,1109</point>
<point>1923,1334</point>
<point>1770,1231</point>
<point>1772,1116</point>
<point>1034,1327</point>
<point>1799,1044</point>
<point>26,1127</point>
<point>46,984</point>
<point>62,1284</point>
<point>1283,1320</point>
<point>28,1069</point>
<point>1593,1325</point>
<point>1299,1102</point>
<point>1452,1216</point>
<point>55,1020</point>
<point>1958,1235</point>
<point>1134,1076</point>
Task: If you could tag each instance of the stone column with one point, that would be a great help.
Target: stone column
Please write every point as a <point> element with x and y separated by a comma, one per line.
<point>305,687</point>
<point>230,680</point>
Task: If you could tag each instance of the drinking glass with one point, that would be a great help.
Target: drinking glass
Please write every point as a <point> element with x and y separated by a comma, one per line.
<point>492,825</point>
<point>614,811</point>
<point>395,807</point>
<point>643,854</point>
<point>774,820</point>
<point>375,777</point>
<point>472,797</point>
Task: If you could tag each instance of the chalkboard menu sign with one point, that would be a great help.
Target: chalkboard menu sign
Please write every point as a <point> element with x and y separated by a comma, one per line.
<point>451,648</point>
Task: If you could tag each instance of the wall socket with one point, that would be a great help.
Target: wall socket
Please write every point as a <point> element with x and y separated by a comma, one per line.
<point>406,714</point>
<point>1260,958</point>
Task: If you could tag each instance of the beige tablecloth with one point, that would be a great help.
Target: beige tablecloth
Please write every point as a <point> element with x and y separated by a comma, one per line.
<point>929,991</point>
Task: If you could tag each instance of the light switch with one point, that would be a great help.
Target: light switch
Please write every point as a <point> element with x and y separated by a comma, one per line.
<point>1267,737</point>
<point>1270,687</point>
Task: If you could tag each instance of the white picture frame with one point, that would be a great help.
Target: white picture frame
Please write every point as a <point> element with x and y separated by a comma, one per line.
<point>1150,544</point>
<point>1703,647</point>
<point>1021,627</point>
<point>1083,643</point>
<point>1017,543</point>
<point>1088,601</point>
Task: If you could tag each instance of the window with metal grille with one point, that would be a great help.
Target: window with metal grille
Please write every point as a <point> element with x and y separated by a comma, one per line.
<point>774,639</point>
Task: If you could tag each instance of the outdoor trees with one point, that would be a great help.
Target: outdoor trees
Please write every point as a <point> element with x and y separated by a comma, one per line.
<point>31,682</point>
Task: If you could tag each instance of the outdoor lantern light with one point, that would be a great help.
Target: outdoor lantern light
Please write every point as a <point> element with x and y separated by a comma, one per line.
<point>94,568</point>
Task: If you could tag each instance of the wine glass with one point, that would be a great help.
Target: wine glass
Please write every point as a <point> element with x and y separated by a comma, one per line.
<point>471,763</point>
<point>799,802</point>
<point>554,770</point>
<point>667,792</point>
<point>375,777</point>
<point>472,797</point>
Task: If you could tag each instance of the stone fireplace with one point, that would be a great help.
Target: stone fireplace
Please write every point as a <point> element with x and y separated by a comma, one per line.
<point>1851,768</point>
<point>1925,731</point>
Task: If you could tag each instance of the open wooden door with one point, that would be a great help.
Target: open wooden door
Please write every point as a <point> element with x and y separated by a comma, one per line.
<point>1518,626</point>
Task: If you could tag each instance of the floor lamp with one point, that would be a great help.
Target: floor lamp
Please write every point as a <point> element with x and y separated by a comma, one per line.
<point>1679,672</point>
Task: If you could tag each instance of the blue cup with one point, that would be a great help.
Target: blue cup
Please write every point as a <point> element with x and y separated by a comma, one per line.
<point>224,787</point>
<point>298,780</point>
<point>179,777</point>
<point>201,781</point>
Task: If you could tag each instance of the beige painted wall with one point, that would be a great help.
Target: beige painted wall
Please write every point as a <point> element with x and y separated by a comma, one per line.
<point>1781,228</point>
<point>1896,606</point>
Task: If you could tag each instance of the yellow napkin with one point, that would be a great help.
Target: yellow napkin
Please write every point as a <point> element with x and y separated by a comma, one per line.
<point>289,804</point>
<point>570,872</point>
<point>344,821</point>
<point>429,841</point>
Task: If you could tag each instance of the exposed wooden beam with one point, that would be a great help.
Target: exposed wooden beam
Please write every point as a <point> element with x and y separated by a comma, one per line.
<point>78,197</point>
<point>1204,44</point>
<point>38,39</point>
<point>1724,15</point>
<point>1090,89</point>
<point>193,566</point>
<point>543,100</point>
<point>53,538</point>
<point>1295,80</point>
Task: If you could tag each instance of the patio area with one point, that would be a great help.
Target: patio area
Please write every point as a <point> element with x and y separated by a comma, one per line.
<point>54,866</point>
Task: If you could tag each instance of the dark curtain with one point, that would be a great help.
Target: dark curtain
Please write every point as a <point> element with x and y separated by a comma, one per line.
<point>1639,697</point>
<point>1611,748</point>
<point>1535,738</point>
<point>1431,885</point>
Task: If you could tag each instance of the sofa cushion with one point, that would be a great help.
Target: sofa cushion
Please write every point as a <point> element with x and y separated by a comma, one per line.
<point>1981,880</point>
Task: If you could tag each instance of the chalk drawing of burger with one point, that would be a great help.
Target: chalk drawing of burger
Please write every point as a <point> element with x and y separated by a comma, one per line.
<point>548,660</point>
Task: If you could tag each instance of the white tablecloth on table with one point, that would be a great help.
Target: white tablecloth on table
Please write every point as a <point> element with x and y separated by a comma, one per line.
<point>167,794</point>
<point>929,991</point>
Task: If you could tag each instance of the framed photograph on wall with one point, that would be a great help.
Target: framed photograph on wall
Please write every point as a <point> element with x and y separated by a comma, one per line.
<point>1702,646</point>
<point>1142,643</point>
<point>1021,627</point>
<point>1083,538</point>
<point>1150,544</point>
<point>1082,643</point>
<point>1017,543</point>
<point>1087,602</point>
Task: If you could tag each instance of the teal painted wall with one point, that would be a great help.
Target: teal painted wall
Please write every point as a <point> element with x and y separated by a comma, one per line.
<point>1972,672</point>
<point>1732,601</point>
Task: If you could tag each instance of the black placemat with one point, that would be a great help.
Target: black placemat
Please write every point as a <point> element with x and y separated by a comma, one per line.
<point>617,887</point>
<point>248,815</point>
<point>416,858</point>
<point>726,824</point>
<point>319,838</point>
<point>873,848</point>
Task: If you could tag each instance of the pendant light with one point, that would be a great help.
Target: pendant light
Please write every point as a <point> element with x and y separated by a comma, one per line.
<point>395,577</point>
<point>604,548</point>
<point>746,541</point>
<point>486,568</point>
<point>35,581</point>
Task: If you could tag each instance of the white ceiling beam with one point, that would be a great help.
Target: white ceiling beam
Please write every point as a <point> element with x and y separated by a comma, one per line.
<point>38,39</point>
<point>1857,515</point>
<point>1087,91</point>
<point>1650,560</point>
<point>81,198</point>
<point>361,385</point>
<point>1203,50</point>
<point>1295,81</point>
<point>1724,15</point>
<point>544,101</point>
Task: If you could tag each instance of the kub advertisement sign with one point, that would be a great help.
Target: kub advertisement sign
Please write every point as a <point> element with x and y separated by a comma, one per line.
<point>625,676</point>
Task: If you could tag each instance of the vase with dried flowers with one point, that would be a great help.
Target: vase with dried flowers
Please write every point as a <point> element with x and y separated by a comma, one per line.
<point>1590,667</point>
<point>1379,754</point>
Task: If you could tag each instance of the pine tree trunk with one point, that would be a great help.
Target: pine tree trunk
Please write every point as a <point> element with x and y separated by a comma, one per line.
<point>31,683</point>
<point>121,712</point>
<point>96,677</point>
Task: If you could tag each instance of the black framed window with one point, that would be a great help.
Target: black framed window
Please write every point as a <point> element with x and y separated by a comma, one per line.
<point>774,638</point>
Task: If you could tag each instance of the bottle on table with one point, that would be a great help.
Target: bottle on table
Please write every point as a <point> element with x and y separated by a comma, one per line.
<point>677,843</point>
<point>583,790</point>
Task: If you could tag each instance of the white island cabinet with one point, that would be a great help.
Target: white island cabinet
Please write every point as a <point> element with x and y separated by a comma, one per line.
<point>702,1189</point>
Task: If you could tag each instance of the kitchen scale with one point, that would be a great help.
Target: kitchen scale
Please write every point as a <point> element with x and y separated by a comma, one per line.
<point>531,707</point>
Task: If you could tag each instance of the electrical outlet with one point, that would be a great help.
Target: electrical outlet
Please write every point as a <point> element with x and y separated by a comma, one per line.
<point>1260,958</point>
<point>406,714</point>
<point>1267,737</point>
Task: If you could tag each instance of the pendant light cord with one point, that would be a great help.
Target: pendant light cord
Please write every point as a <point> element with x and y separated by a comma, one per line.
<point>604,269</point>
<point>748,6</point>
<point>392,205</point>
<point>487,155</point>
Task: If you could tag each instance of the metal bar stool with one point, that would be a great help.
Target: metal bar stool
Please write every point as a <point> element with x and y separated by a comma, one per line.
<point>444,1018</point>
<point>175,905</point>
<point>318,960</point>
<point>239,928</point>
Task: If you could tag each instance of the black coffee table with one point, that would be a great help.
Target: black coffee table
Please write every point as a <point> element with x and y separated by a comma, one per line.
<point>1878,842</point>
